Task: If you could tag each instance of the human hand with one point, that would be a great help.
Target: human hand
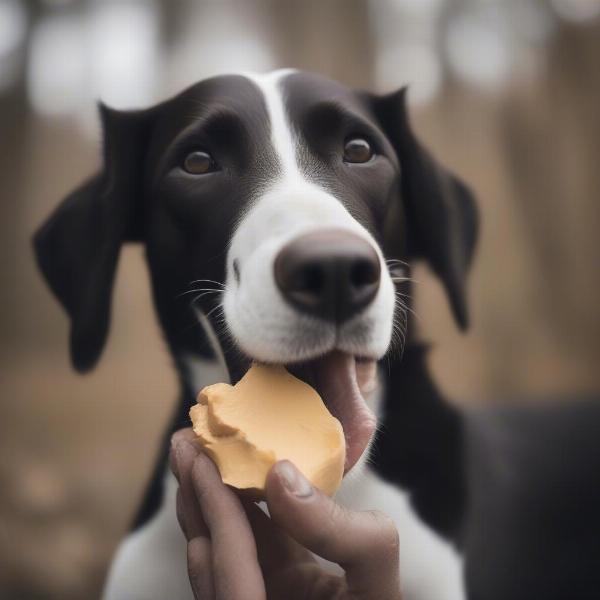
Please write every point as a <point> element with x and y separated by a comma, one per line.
<point>235,551</point>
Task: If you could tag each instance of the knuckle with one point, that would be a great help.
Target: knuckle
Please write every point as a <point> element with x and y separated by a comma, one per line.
<point>321,540</point>
<point>326,585</point>
<point>324,534</point>
<point>385,534</point>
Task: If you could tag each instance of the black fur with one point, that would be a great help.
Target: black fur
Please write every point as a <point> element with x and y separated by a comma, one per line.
<point>533,527</point>
<point>420,445</point>
<point>78,247</point>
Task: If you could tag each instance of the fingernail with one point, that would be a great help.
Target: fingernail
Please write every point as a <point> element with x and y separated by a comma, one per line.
<point>293,480</point>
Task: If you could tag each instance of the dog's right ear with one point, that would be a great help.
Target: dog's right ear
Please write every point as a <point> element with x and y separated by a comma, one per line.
<point>439,207</point>
<point>77,248</point>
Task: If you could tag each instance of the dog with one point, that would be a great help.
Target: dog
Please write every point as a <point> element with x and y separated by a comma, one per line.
<point>294,206</point>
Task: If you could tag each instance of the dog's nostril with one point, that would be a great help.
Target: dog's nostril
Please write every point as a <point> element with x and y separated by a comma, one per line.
<point>364,272</point>
<point>312,279</point>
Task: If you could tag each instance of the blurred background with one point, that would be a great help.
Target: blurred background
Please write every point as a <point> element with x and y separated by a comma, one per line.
<point>505,92</point>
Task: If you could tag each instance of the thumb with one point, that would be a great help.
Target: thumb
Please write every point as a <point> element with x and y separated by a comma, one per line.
<point>363,543</point>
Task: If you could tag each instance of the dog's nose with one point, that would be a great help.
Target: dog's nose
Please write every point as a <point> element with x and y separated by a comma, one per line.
<point>331,274</point>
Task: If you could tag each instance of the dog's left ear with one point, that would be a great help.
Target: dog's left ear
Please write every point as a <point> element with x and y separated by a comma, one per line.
<point>440,209</point>
<point>77,248</point>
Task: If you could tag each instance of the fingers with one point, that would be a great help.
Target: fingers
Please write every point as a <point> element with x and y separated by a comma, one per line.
<point>222,561</point>
<point>365,544</point>
<point>275,549</point>
<point>236,572</point>
<point>199,560</point>
<point>199,557</point>
<point>181,460</point>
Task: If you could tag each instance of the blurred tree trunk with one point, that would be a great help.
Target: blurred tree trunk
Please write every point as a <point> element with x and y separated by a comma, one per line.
<point>552,141</point>
<point>331,37</point>
<point>15,127</point>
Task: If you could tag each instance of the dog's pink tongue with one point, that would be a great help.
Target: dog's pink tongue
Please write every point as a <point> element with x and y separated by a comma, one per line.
<point>337,384</point>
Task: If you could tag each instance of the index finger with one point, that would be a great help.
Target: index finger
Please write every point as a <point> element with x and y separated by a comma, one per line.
<point>236,572</point>
<point>181,459</point>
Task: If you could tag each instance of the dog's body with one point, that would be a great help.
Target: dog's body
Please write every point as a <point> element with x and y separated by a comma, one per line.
<point>241,182</point>
<point>286,192</point>
<point>224,184</point>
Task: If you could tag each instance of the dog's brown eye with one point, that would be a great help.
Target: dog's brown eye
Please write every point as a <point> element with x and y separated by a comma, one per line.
<point>358,150</point>
<point>199,163</point>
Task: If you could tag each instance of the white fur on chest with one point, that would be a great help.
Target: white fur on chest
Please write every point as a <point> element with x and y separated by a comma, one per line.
<point>430,568</point>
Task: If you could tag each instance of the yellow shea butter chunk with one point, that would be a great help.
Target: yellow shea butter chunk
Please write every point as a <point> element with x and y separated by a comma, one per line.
<point>269,415</point>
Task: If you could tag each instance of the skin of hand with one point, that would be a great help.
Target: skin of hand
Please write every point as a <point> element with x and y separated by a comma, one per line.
<point>235,551</point>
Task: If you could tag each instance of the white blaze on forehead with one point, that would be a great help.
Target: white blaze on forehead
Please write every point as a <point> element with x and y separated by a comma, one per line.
<point>292,201</point>
<point>282,136</point>
<point>262,323</point>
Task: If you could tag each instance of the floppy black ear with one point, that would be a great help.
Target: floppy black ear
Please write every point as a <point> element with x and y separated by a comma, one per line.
<point>440,209</point>
<point>77,248</point>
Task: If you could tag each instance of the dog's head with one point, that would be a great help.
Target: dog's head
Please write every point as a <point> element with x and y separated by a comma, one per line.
<point>285,195</point>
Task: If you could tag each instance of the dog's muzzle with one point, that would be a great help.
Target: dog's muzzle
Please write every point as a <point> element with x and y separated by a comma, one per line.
<point>330,274</point>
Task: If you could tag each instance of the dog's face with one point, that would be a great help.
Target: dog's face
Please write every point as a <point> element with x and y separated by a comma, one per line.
<point>309,274</point>
<point>279,196</point>
<point>249,176</point>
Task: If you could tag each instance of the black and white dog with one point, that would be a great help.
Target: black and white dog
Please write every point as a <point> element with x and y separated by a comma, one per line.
<point>297,205</point>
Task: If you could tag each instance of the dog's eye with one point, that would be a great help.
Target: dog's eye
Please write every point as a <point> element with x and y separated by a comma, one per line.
<point>357,150</point>
<point>199,163</point>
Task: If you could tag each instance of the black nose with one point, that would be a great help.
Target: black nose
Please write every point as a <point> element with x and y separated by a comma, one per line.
<point>331,274</point>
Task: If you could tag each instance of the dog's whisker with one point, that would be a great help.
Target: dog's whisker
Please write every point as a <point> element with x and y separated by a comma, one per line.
<point>205,290</point>
<point>198,297</point>
<point>399,330</point>
<point>390,261</point>
<point>215,308</point>
<point>208,281</point>
<point>401,278</point>
<point>399,338</point>
<point>404,307</point>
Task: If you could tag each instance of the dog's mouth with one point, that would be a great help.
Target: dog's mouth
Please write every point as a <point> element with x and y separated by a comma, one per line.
<point>344,382</point>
